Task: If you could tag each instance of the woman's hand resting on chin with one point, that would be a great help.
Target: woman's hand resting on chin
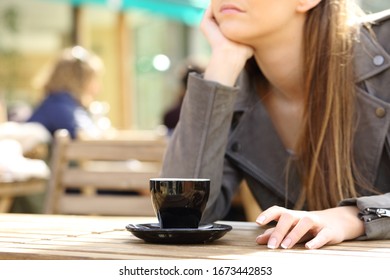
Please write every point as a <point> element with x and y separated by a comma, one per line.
<point>228,58</point>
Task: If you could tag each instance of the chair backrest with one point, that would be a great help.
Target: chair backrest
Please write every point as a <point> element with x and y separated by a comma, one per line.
<point>10,190</point>
<point>97,168</point>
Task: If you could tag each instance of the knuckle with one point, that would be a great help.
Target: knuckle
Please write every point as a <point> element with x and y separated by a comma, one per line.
<point>276,208</point>
<point>287,216</point>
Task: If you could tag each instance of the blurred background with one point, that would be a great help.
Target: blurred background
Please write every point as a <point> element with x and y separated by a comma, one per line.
<point>143,44</point>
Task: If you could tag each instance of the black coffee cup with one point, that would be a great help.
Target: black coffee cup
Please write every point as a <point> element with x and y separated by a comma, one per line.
<point>179,202</point>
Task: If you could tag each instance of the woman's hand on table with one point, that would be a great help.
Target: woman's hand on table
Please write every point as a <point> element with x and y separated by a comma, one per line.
<point>316,228</point>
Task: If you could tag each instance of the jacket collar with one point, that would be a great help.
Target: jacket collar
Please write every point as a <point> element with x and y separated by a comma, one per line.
<point>370,57</point>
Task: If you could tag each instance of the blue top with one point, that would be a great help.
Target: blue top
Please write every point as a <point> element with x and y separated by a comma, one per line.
<point>60,110</point>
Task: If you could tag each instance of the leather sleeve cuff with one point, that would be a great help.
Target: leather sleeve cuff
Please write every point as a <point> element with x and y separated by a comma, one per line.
<point>374,211</point>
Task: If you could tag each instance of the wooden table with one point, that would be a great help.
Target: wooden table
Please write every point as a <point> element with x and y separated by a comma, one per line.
<point>34,236</point>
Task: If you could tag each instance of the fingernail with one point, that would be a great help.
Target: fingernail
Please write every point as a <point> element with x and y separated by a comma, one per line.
<point>261,219</point>
<point>310,245</point>
<point>286,243</point>
<point>272,243</point>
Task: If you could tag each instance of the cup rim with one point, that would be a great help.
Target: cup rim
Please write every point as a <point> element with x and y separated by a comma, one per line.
<point>180,179</point>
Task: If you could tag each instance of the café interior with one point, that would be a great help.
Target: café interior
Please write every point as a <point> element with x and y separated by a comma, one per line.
<point>143,45</point>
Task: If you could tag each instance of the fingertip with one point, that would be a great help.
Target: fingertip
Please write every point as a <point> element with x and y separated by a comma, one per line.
<point>261,219</point>
<point>262,239</point>
<point>311,245</point>
<point>272,243</point>
<point>286,243</point>
<point>321,239</point>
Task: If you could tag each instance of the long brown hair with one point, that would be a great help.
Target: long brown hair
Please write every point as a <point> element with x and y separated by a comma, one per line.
<point>325,148</point>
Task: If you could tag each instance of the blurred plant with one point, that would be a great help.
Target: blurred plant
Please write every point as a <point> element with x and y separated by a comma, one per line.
<point>9,56</point>
<point>10,19</point>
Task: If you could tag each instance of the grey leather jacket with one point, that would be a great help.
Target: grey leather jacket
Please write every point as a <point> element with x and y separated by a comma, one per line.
<point>225,134</point>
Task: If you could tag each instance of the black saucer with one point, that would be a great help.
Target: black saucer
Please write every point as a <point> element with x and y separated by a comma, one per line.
<point>154,234</point>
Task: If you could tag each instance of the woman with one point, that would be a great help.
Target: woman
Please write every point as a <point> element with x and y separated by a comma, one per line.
<point>171,116</point>
<point>72,85</point>
<point>294,100</point>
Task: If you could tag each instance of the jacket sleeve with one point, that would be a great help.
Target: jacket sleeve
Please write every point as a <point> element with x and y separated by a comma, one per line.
<point>373,214</point>
<point>197,146</point>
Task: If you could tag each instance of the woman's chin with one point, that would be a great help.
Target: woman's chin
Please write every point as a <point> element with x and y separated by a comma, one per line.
<point>233,33</point>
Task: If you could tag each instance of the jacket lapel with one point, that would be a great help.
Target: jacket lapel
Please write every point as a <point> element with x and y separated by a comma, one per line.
<point>373,86</point>
<point>370,134</point>
<point>256,148</point>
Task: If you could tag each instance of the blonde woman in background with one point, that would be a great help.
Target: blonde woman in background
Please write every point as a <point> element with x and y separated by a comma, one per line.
<point>72,85</point>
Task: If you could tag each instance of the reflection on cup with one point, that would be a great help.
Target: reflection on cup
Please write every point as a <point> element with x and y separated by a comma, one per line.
<point>179,202</point>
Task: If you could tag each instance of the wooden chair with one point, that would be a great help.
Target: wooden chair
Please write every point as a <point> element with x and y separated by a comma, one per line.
<point>10,190</point>
<point>90,165</point>
<point>33,184</point>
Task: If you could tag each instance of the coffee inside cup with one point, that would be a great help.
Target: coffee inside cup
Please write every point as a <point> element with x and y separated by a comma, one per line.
<point>179,202</point>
